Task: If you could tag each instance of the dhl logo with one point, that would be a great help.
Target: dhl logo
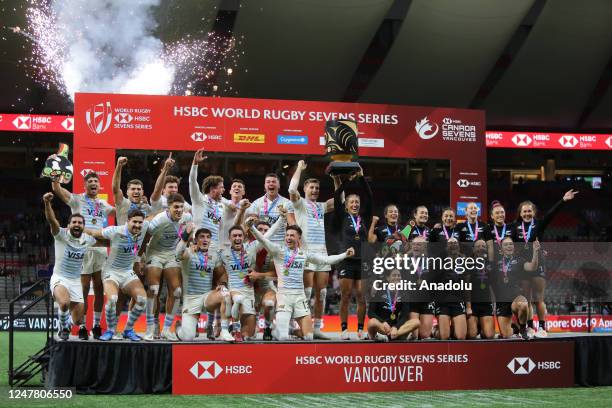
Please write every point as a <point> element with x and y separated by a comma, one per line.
<point>249,138</point>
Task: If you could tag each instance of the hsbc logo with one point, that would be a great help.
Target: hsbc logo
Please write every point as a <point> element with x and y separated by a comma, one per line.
<point>68,124</point>
<point>99,117</point>
<point>609,142</point>
<point>201,137</point>
<point>521,139</point>
<point>463,183</point>
<point>568,141</point>
<point>85,172</point>
<point>123,118</point>
<point>521,365</point>
<point>206,370</point>
<point>22,122</point>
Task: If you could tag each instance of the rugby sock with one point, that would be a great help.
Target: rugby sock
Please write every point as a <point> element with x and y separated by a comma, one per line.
<point>360,327</point>
<point>97,318</point>
<point>210,318</point>
<point>224,324</point>
<point>308,293</point>
<point>111,314</point>
<point>236,325</point>
<point>135,313</point>
<point>317,324</point>
<point>530,323</point>
<point>542,324</point>
<point>63,318</point>
<point>344,326</point>
<point>169,318</point>
<point>149,312</point>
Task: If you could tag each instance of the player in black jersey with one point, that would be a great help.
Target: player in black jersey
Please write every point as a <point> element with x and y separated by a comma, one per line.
<point>389,312</point>
<point>450,305</point>
<point>527,229</point>
<point>473,229</point>
<point>446,229</point>
<point>422,305</point>
<point>349,224</point>
<point>479,308</point>
<point>499,230</point>
<point>420,228</point>
<point>509,272</point>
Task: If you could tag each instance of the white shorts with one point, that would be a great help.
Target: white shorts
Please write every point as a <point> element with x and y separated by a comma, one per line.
<point>294,303</point>
<point>72,285</point>
<point>248,302</point>
<point>121,278</point>
<point>162,260</point>
<point>194,304</point>
<point>320,250</point>
<point>93,260</point>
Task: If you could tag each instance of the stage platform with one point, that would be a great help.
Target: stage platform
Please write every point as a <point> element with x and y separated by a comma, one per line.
<point>203,367</point>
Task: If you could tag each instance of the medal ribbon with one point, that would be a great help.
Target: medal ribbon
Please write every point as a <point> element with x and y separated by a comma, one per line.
<point>391,305</point>
<point>315,209</point>
<point>503,234</point>
<point>357,224</point>
<point>424,234</point>
<point>179,229</point>
<point>289,260</point>
<point>95,208</point>
<point>266,209</point>
<point>212,203</point>
<point>472,234</point>
<point>446,232</point>
<point>505,267</point>
<point>130,241</point>
<point>389,230</point>
<point>241,264</point>
<point>203,260</point>
<point>527,235</point>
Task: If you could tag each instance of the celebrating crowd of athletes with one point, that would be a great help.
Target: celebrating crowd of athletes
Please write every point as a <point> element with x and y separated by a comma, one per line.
<point>234,259</point>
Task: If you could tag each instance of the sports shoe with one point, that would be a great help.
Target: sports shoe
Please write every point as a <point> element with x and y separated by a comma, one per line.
<point>131,335</point>
<point>97,332</point>
<point>267,334</point>
<point>64,334</point>
<point>361,335</point>
<point>381,338</point>
<point>210,332</point>
<point>524,334</point>
<point>157,333</point>
<point>83,334</point>
<point>541,333</point>
<point>530,332</point>
<point>117,336</point>
<point>166,334</point>
<point>150,334</point>
<point>319,335</point>
<point>226,336</point>
<point>107,336</point>
<point>345,335</point>
<point>238,337</point>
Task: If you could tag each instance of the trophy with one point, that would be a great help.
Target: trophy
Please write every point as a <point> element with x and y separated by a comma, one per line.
<point>57,166</point>
<point>341,145</point>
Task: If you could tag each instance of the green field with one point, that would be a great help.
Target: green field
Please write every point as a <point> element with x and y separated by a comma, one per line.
<point>28,343</point>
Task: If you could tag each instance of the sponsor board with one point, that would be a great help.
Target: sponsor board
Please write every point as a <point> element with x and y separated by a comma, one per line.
<point>249,138</point>
<point>292,139</point>
<point>542,140</point>
<point>326,368</point>
<point>29,323</point>
<point>36,123</point>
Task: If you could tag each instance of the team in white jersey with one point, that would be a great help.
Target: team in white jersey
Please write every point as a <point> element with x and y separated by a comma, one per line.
<point>165,185</point>
<point>310,217</point>
<point>71,244</point>
<point>96,212</point>
<point>125,243</point>
<point>291,259</point>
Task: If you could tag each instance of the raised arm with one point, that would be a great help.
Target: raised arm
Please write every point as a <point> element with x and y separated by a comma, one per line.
<point>330,205</point>
<point>182,249</point>
<point>60,191</point>
<point>338,205</point>
<point>272,248</point>
<point>532,265</point>
<point>541,226</point>
<point>294,194</point>
<point>50,214</point>
<point>117,193</point>
<point>159,183</point>
<point>328,259</point>
<point>197,198</point>
<point>244,205</point>
<point>372,238</point>
<point>366,202</point>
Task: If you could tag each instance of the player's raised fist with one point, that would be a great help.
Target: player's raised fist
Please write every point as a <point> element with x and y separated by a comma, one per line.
<point>199,156</point>
<point>302,165</point>
<point>48,197</point>
<point>350,252</point>
<point>169,161</point>
<point>122,161</point>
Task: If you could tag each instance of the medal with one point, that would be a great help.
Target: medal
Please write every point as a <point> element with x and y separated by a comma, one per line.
<point>94,221</point>
<point>526,235</point>
<point>482,286</point>
<point>503,234</point>
<point>473,233</point>
<point>356,225</point>
<point>203,263</point>
<point>286,272</point>
<point>215,221</point>
<point>93,209</point>
<point>446,234</point>
<point>357,237</point>
<point>392,316</point>
<point>505,279</point>
<point>418,231</point>
<point>268,210</point>
<point>239,264</point>
<point>241,275</point>
<point>315,211</point>
<point>392,304</point>
<point>505,268</point>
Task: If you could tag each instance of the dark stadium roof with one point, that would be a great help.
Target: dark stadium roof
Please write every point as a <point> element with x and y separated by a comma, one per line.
<point>539,64</point>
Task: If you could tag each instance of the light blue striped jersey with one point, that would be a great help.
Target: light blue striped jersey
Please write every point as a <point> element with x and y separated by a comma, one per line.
<point>267,210</point>
<point>123,247</point>
<point>95,211</point>
<point>237,265</point>
<point>198,268</point>
<point>165,232</point>
<point>70,252</point>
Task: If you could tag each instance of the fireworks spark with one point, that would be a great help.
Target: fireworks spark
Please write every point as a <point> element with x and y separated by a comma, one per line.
<point>109,46</point>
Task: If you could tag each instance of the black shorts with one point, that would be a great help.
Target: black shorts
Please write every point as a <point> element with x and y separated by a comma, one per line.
<point>503,309</point>
<point>451,309</point>
<point>350,270</point>
<point>481,309</point>
<point>424,308</point>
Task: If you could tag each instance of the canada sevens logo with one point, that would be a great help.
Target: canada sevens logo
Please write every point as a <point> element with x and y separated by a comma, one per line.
<point>99,117</point>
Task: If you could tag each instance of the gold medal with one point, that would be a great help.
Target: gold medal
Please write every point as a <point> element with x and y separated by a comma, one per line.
<point>482,286</point>
<point>392,316</point>
<point>357,238</point>
<point>286,272</point>
<point>203,273</point>
<point>419,281</point>
<point>94,221</point>
<point>241,275</point>
<point>215,221</point>
<point>505,280</point>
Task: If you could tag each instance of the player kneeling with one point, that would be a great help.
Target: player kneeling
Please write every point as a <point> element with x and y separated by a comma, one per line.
<point>291,260</point>
<point>389,314</point>
<point>198,266</point>
<point>125,242</point>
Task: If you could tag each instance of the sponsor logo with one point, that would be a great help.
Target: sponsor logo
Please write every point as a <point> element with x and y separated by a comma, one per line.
<point>201,137</point>
<point>22,122</point>
<point>463,183</point>
<point>206,370</point>
<point>568,141</point>
<point>68,124</point>
<point>425,129</point>
<point>609,142</point>
<point>521,139</point>
<point>292,139</point>
<point>521,365</point>
<point>249,138</point>
<point>123,118</point>
<point>85,172</point>
<point>99,117</point>
<point>369,142</point>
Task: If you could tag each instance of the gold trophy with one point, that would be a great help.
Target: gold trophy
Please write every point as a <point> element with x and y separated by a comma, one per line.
<point>341,145</point>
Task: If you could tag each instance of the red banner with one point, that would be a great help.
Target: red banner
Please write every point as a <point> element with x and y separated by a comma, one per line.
<point>534,140</point>
<point>354,367</point>
<point>36,123</point>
